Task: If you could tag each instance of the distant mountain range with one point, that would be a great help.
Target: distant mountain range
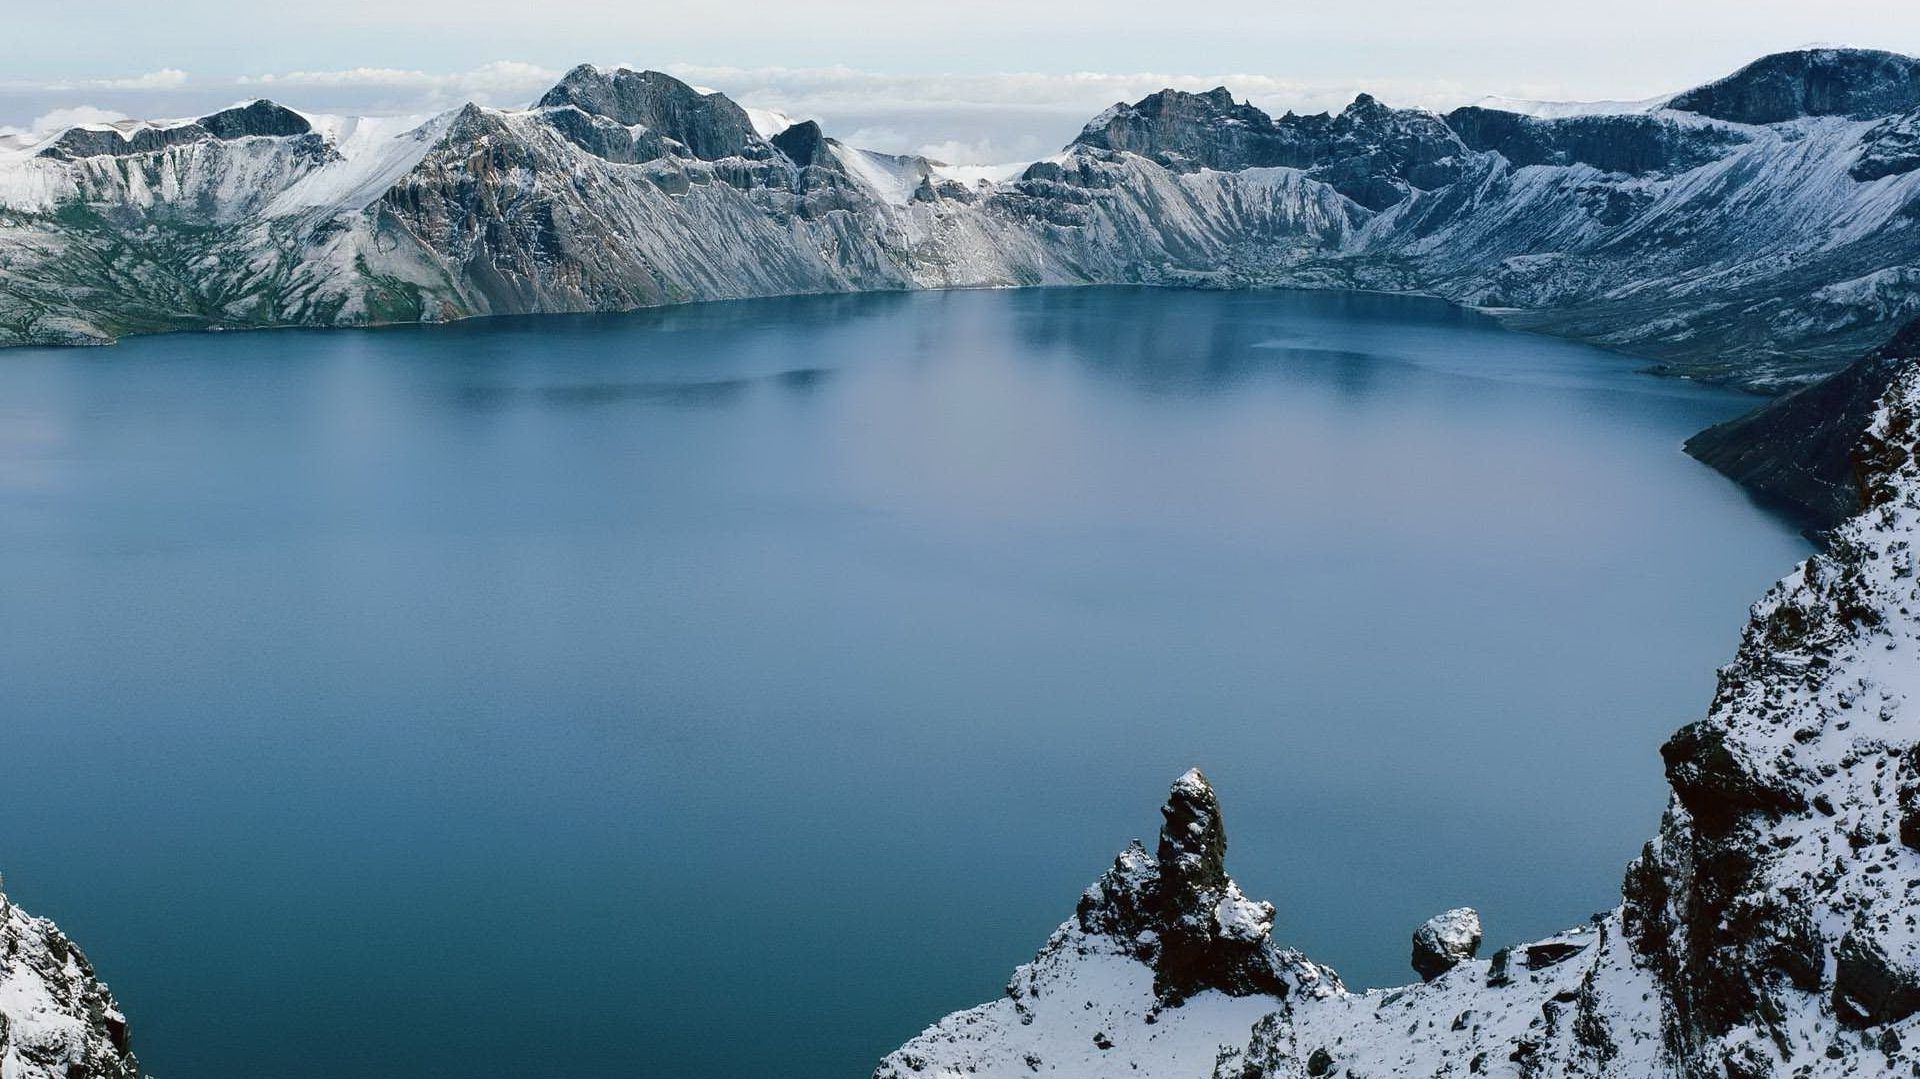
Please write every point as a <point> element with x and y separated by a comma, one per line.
<point>1762,230</point>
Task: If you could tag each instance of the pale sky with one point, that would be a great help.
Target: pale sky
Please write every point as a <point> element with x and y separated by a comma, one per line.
<point>974,79</point>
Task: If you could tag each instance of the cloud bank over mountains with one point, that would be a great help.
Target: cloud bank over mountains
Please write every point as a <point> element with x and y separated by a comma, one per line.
<point>960,118</point>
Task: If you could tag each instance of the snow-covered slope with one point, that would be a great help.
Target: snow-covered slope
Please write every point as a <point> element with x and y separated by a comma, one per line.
<point>1768,931</point>
<point>57,1021</point>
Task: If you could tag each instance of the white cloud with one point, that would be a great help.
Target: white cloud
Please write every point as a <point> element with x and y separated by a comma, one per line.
<point>498,75</point>
<point>62,119</point>
<point>827,89</point>
<point>167,78</point>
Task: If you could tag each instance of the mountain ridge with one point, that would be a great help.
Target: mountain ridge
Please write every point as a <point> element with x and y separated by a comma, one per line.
<point>1757,254</point>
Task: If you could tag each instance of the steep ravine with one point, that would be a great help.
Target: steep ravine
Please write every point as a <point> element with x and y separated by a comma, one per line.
<point>1770,929</point>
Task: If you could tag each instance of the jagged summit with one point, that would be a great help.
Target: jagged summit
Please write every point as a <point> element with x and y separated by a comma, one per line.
<point>710,126</point>
<point>1374,154</point>
<point>1182,914</point>
<point>1855,83</point>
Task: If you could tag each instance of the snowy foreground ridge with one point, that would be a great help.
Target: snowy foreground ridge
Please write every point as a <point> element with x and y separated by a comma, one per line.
<point>56,1020</point>
<point>1762,229</point>
<point>1771,929</point>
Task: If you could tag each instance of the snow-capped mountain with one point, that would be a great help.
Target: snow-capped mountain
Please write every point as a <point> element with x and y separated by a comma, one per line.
<point>1761,229</point>
<point>57,1021</point>
<point>1767,931</point>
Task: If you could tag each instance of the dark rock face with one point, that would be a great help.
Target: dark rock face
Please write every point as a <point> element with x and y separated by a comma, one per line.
<point>1869,988</point>
<point>803,143</point>
<point>1908,797</point>
<point>1858,83</point>
<point>1796,453</point>
<point>1445,941</point>
<point>1632,144</point>
<point>260,119</point>
<point>1718,784</point>
<point>709,126</point>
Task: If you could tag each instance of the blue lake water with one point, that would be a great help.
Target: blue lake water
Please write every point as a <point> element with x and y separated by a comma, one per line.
<point>732,690</point>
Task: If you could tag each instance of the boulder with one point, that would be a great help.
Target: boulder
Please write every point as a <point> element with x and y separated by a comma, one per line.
<point>1445,941</point>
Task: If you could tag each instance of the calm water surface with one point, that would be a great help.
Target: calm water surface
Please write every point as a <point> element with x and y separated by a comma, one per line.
<point>732,690</point>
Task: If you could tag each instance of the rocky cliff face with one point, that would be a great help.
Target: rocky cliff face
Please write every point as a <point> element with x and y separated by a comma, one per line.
<point>57,1021</point>
<point>1760,230</point>
<point>1767,931</point>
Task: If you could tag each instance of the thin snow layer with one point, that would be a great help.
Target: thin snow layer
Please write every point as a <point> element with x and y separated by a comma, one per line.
<point>891,178</point>
<point>57,1020</point>
<point>1814,764</point>
<point>1557,110</point>
<point>371,155</point>
<point>767,122</point>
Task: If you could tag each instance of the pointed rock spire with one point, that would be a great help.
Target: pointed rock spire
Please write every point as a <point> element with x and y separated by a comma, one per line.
<point>1193,841</point>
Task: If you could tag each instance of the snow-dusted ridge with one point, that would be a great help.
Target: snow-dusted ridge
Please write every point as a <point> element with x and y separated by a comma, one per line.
<point>1771,929</point>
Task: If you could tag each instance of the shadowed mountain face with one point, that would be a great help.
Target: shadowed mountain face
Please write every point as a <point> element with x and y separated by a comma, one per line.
<point>1854,83</point>
<point>1796,453</point>
<point>1759,230</point>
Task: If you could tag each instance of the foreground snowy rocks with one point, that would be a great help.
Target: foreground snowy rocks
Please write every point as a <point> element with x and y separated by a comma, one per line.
<point>1771,929</point>
<point>57,1021</point>
<point>1445,941</point>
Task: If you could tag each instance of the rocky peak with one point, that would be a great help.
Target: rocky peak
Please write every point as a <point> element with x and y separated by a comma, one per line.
<point>255,119</point>
<point>710,126</point>
<point>1372,153</point>
<point>1209,130</point>
<point>803,143</point>
<point>1193,841</point>
<point>1182,913</point>
<point>1856,83</point>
